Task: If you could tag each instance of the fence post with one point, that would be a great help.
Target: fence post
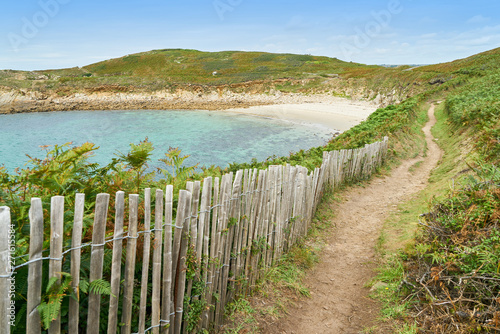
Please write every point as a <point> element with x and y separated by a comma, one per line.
<point>97,260</point>
<point>128,291</point>
<point>5,269</point>
<point>56,244</point>
<point>182,219</point>
<point>145,260</point>
<point>116,262</point>
<point>166,294</point>
<point>75,262</point>
<point>155,299</point>
<point>35,267</point>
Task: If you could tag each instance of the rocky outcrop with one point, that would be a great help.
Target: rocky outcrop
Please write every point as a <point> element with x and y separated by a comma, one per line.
<point>23,101</point>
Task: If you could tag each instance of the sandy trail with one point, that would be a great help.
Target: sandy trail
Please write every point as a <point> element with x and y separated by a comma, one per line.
<point>339,302</point>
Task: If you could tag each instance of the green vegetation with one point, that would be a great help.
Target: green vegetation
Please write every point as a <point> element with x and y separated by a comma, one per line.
<point>448,269</point>
<point>171,69</point>
<point>445,276</point>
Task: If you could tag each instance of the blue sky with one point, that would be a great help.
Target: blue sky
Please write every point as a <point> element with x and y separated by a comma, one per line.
<point>43,34</point>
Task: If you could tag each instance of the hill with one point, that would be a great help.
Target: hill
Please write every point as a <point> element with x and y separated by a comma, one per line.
<point>223,74</point>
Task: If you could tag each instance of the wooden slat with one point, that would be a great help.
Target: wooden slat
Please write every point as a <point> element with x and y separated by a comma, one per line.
<point>278,217</point>
<point>35,267</point>
<point>253,198</point>
<point>56,244</point>
<point>215,236</point>
<point>236,232</point>
<point>5,269</point>
<point>96,261</point>
<point>182,219</point>
<point>258,219</point>
<point>166,320</point>
<point>128,291</point>
<point>194,189</point>
<point>157,248</point>
<point>145,260</point>
<point>245,210</point>
<point>227,244</point>
<point>116,264</point>
<point>76,242</point>
<point>203,243</point>
<point>223,246</point>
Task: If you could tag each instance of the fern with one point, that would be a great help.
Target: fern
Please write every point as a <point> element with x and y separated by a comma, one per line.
<point>50,307</point>
<point>100,287</point>
<point>84,286</point>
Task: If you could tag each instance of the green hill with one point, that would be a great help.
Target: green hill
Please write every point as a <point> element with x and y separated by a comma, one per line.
<point>171,68</point>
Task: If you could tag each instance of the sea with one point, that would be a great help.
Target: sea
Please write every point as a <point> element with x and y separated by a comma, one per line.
<point>208,137</point>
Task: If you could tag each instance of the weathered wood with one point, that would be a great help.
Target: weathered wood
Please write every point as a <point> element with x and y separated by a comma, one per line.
<point>215,236</point>
<point>35,267</point>
<point>285,203</point>
<point>166,320</point>
<point>194,189</point>
<point>96,261</point>
<point>245,209</point>
<point>128,290</point>
<point>76,243</point>
<point>56,244</point>
<point>116,264</point>
<point>235,215</point>
<point>182,219</point>
<point>157,248</point>
<point>252,200</point>
<point>145,260</point>
<point>203,243</point>
<point>278,218</point>
<point>5,270</point>
<point>225,246</point>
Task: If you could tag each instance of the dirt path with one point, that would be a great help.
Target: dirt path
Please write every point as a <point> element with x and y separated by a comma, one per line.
<point>339,301</point>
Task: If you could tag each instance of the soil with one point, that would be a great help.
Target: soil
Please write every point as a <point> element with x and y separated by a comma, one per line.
<point>340,301</point>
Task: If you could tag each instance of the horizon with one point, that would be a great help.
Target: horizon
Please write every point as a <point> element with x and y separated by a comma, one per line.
<point>53,34</point>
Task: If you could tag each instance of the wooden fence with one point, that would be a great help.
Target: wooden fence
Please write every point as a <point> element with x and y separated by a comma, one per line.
<point>223,235</point>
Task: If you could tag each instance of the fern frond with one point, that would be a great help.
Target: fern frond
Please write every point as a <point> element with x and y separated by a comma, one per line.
<point>51,283</point>
<point>84,286</point>
<point>100,287</point>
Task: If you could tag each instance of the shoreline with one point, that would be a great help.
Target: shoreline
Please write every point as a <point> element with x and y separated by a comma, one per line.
<point>30,101</point>
<point>335,113</point>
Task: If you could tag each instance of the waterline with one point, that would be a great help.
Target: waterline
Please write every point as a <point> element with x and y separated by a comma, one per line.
<point>210,137</point>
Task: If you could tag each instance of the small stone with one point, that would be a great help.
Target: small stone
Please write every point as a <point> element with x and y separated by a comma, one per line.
<point>378,286</point>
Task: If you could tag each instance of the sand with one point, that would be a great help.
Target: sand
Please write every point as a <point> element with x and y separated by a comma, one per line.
<point>339,115</point>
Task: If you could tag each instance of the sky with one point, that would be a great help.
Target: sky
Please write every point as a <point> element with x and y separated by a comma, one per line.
<point>50,34</point>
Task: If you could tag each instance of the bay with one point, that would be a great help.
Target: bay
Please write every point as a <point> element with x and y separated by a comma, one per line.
<point>209,137</point>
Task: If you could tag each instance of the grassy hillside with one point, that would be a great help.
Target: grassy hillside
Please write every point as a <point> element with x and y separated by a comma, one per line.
<point>174,68</point>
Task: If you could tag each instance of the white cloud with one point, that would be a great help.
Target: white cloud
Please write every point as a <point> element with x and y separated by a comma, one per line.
<point>478,19</point>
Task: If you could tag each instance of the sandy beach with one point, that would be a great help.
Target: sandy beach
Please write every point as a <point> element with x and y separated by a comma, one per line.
<point>339,115</point>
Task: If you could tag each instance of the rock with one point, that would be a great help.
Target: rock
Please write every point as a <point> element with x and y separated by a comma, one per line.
<point>379,286</point>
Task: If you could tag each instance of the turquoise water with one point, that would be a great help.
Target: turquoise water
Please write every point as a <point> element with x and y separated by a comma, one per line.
<point>211,138</point>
